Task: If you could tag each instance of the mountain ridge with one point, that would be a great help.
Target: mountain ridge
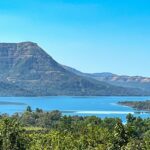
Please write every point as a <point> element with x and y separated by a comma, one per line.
<point>140,82</point>
<point>29,68</point>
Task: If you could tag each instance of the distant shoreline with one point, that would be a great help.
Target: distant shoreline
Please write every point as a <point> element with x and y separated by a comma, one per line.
<point>11,103</point>
<point>137,105</point>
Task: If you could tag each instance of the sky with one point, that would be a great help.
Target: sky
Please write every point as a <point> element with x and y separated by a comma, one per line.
<point>89,35</point>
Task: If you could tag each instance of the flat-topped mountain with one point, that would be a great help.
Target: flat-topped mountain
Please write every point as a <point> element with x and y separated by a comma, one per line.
<point>27,70</point>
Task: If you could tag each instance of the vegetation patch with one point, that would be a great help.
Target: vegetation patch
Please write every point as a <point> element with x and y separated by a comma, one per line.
<point>39,130</point>
<point>137,105</point>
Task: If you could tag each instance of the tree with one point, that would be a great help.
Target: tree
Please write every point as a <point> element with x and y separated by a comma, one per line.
<point>147,139</point>
<point>119,137</point>
<point>134,145</point>
<point>12,136</point>
<point>29,109</point>
<point>130,118</point>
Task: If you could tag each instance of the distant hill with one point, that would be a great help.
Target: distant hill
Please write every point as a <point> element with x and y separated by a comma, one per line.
<point>139,82</point>
<point>27,70</point>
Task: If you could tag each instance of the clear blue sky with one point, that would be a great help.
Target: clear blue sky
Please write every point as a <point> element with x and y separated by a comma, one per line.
<point>90,35</point>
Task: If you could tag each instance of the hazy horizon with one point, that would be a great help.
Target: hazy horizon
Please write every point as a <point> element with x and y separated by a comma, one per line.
<point>89,35</point>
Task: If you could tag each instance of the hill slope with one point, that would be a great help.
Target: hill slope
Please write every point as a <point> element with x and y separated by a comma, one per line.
<point>139,82</point>
<point>31,70</point>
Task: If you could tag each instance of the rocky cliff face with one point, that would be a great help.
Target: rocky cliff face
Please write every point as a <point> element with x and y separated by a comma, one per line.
<point>25,60</point>
<point>31,71</point>
<point>128,81</point>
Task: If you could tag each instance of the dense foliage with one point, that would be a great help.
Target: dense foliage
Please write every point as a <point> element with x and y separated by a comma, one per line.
<point>138,105</point>
<point>41,130</point>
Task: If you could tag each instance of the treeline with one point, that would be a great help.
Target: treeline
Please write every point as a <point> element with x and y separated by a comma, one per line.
<point>138,105</point>
<point>39,130</point>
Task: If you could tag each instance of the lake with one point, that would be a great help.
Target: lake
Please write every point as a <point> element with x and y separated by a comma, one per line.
<point>83,106</point>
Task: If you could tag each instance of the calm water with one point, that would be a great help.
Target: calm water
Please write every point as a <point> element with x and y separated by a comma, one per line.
<point>85,106</point>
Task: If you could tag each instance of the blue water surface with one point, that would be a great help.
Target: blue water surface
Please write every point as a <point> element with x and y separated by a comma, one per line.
<point>83,106</point>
